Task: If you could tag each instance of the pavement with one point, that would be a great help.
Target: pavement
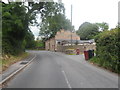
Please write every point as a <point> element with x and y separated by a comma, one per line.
<point>58,70</point>
<point>14,68</point>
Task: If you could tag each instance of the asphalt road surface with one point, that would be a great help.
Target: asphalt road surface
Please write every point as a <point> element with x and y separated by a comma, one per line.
<point>57,70</point>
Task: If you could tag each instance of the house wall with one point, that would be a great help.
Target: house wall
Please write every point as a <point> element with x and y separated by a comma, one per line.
<point>52,45</point>
<point>66,35</point>
<point>47,45</point>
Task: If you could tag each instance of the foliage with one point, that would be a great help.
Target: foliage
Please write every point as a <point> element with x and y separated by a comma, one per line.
<point>102,26</point>
<point>107,49</point>
<point>8,60</point>
<point>13,23</point>
<point>40,44</point>
<point>29,40</point>
<point>87,31</point>
<point>15,27</point>
<point>53,20</point>
<point>16,19</point>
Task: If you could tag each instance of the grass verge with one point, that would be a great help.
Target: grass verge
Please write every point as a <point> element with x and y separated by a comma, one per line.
<point>72,54</point>
<point>97,62</point>
<point>8,60</point>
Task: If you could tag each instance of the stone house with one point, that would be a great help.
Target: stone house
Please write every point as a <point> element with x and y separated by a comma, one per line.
<point>62,37</point>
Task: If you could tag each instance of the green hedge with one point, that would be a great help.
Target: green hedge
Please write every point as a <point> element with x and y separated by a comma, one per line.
<point>107,49</point>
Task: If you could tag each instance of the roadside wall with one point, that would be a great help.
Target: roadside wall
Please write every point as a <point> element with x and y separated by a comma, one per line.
<point>74,47</point>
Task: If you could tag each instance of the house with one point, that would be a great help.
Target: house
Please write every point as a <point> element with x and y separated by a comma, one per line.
<point>64,40</point>
<point>62,37</point>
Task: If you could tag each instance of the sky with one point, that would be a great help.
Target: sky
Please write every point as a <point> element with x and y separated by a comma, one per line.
<point>92,11</point>
<point>89,11</point>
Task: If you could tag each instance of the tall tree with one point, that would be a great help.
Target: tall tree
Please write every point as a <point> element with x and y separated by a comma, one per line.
<point>13,27</point>
<point>16,18</point>
<point>29,40</point>
<point>87,31</point>
<point>53,20</point>
<point>102,26</point>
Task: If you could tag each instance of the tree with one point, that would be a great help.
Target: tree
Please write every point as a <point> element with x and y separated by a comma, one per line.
<point>16,18</point>
<point>40,44</point>
<point>87,31</point>
<point>53,20</point>
<point>29,40</point>
<point>102,26</point>
<point>13,27</point>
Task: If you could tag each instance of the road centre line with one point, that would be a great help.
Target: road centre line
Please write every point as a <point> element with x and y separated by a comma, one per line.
<point>66,79</point>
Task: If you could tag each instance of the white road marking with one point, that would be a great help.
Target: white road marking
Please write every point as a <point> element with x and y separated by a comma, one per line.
<point>66,79</point>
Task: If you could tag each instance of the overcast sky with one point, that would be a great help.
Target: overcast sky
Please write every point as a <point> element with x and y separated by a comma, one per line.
<point>90,11</point>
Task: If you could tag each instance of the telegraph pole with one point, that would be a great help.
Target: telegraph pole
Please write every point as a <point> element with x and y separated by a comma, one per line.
<point>71,24</point>
<point>71,13</point>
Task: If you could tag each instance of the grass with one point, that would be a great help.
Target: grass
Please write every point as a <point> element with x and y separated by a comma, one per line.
<point>8,60</point>
<point>96,61</point>
<point>72,54</point>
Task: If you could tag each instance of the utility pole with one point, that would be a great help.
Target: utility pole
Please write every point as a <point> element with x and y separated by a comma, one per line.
<point>71,24</point>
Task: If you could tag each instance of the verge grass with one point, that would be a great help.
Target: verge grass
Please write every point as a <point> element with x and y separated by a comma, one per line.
<point>8,60</point>
<point>98,62</point>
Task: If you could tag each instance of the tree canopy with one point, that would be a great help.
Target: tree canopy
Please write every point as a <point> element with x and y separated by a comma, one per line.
<point>102,26</point>
<point>14,27</point>
<point>17,17</point>
<point>87,31</point>
<point>53,20</point>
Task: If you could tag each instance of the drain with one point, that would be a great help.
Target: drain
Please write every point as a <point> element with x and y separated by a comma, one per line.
<point>24,62</point>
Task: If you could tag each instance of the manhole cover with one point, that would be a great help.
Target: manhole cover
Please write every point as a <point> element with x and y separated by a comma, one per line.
<point>24,62</point>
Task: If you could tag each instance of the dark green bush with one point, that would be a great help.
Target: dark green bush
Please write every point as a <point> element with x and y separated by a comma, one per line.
<point>107,50</point>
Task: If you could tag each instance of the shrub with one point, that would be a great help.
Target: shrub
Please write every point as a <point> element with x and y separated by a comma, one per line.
<point>107,49</point>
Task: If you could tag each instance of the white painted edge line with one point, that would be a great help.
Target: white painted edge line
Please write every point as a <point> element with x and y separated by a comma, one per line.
<point>66,79</point>
<point>17,71</point>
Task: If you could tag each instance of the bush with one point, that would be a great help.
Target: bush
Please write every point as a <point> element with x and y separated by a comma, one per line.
<point>107,49</point>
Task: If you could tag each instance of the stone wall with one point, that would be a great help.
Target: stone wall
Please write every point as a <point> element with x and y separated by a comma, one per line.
<point>74,47</point>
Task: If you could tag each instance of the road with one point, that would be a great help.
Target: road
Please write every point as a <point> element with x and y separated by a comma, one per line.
<point>57,70</point>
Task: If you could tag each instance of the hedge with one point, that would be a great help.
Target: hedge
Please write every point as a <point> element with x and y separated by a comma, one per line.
<point>107,49</point>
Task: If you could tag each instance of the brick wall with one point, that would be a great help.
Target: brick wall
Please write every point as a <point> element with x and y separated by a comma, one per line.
<point>66,35</point>
<point>47,45</point>
<point>50,44</point>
